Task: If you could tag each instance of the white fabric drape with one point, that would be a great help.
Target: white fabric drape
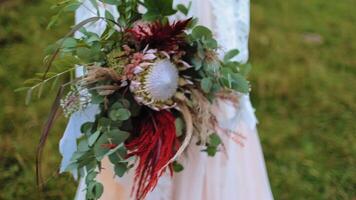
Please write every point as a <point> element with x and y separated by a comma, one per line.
<point>239,173</point>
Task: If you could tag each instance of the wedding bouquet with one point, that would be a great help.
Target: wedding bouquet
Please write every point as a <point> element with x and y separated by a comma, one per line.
<point>154,81</point>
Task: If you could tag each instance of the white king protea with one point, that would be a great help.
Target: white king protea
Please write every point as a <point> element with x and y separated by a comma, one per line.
<point>155,83</point>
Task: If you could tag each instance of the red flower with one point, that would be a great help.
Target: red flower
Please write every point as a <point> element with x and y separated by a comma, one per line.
<point>155,146</point>
<point>165,37</point>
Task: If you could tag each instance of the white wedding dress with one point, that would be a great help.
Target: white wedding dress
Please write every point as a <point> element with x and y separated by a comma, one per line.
<point>239,172</point>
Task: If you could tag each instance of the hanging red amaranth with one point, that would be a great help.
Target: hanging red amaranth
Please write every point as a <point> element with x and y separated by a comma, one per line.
<point>154,147</point>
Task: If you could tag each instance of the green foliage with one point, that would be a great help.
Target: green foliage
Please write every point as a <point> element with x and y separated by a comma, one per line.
<point>213,145</point>
<point>63,6</point>
<point>94,189</point>
<point>63,66</point>
<point>127,12</point>
<point>158,9</point>
<point>201,33</point>
<point>117,136</point>
<point>90,54</point>
<point>206,84</point>
<point>121,168</point>
<point>177,167</point>
<point>120,114</point>
<point>216,74</point>
<point>233,80</point>
<point>117,158</point>
<point>184,9</point>
<point>103,137</point>
<point>203,37</point>
<point>230,55</point>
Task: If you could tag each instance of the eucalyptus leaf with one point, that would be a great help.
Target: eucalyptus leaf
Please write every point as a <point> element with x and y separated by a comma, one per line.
<point>231,54</point>
<point>215,88</point>
<point>211,150</point>
<point>116,106</point>
<point>183,9</point>
<point>121,114</point>
<point>117,136</point>
<point>121,168</point>
<point>83,145</point>
<point>115,158</point>
<point>90,176</point>
<point>213,144</point>
<point>88,158</point>
<point>87,127</point>
<point>177,167</point>
<point>214,140</point>
<point>212,67</point>
<point>95,190</point>
<point>96,98</point>
<point>122,151</point>
<point>197,63</point>
<point>201,32</point>
<point>91,164</point>
<point>232,65</point>
<point>100,150</point>
<point>200,50</point>
<point>71,167</point>
<point>234,81</point>
<point>158,9</point>
<point>211,43</point>
<point>206,84</point>
<point>104,122</point>
<point>78,156</point>
<point>92,138</point>
<point>119,155</point>
<point>240,84</point>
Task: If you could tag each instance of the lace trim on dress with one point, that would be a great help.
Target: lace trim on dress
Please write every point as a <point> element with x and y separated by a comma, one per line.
<point>232,25</point>
<point>232,30</point>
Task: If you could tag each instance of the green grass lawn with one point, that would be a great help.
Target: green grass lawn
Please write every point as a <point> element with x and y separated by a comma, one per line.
<point>303,78</point>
